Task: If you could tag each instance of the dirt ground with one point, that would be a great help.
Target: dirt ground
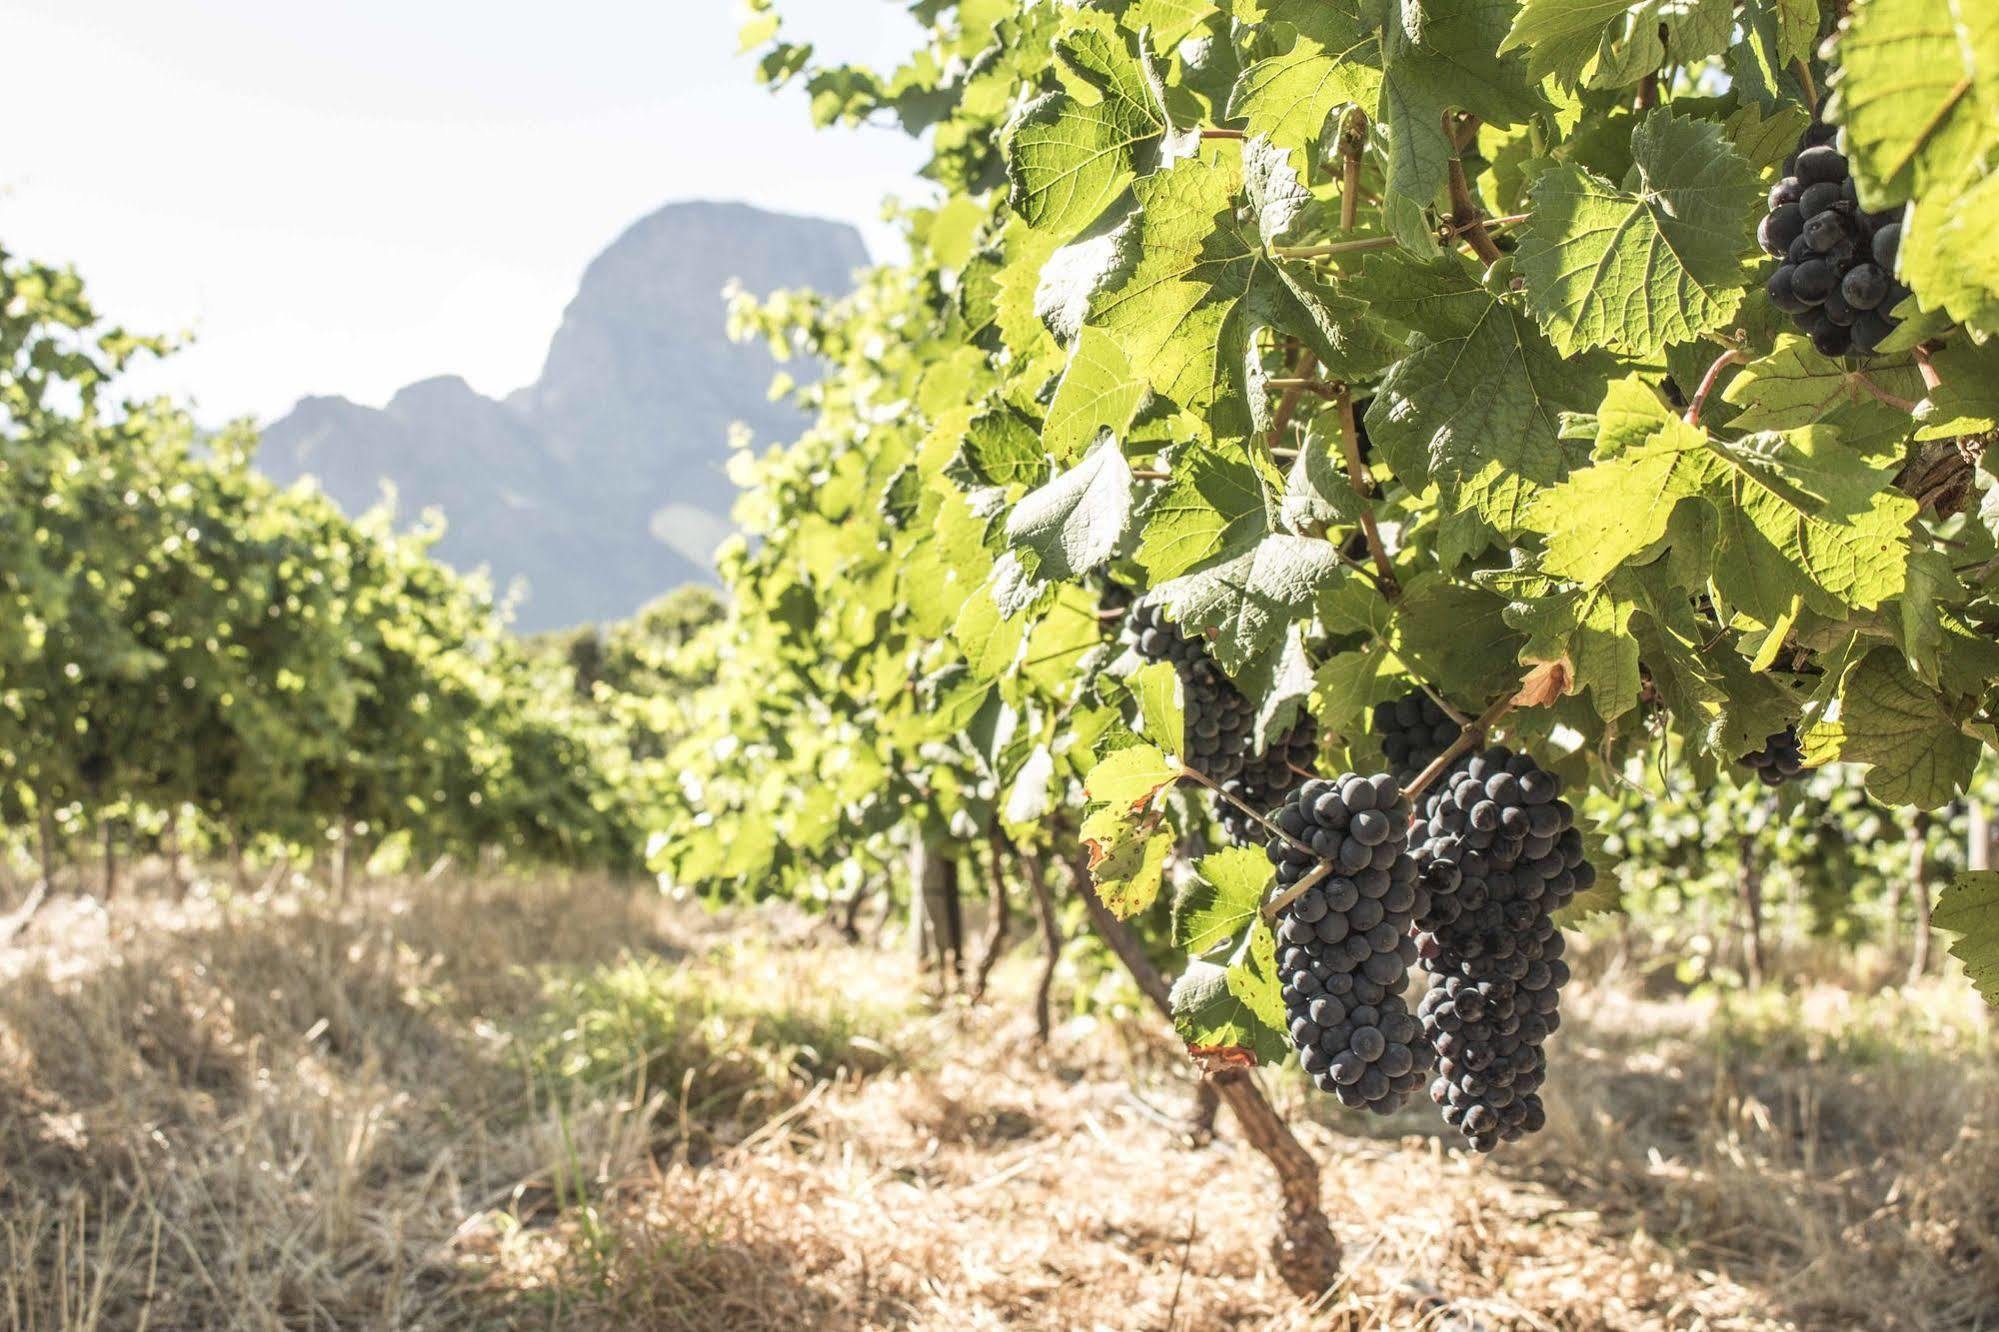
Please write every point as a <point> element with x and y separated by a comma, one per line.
<point>562,1105</point>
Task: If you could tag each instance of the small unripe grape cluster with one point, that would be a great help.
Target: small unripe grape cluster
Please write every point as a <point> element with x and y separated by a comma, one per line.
<point>1498,854</point>
<point>1782,758</point>
<point>1344,945</point>
<point>1836,264</point>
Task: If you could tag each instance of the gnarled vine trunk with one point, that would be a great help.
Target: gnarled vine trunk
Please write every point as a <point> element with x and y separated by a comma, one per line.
<point>1306,1251</point>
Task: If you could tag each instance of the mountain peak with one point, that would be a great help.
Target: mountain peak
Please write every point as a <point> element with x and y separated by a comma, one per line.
<point>601,484</point>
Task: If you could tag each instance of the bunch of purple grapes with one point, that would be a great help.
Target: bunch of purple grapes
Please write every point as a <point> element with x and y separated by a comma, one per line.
<point>1835,275</point>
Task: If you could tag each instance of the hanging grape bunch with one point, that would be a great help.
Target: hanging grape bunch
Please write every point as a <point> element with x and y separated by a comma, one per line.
<point>1414,730</point>
<point>1835,275</point>
<point>1267,781</point>
<point>1221,723</point>
<point>1498,854</point>
<point>1344,945</point>
<point>1782,758</point>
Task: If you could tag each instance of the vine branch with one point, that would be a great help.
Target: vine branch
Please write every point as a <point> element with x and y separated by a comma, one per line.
<point>1927,369</point>
<point>1733,356</point>
<point>1353,143</point>
<point>1363,490</point>
<point>1465,215</point>
<point>1452,232</point>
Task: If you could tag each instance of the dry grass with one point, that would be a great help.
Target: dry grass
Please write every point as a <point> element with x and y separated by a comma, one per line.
<point>565,1106</point>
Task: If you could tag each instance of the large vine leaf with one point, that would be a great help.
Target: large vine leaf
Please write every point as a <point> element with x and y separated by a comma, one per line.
<point>1222,900</point>
<point>1098,392</point>
<point>1909,733</point>
<point>1335,60</point>
<point>1616,42</point>
<point>1648,262</point>
<point>1210,503</point>
<point>1477,404</point>
<point>1074,523</point>
<point>1188,312</point>
<point>1235,1007</point>
<point>1071,153</point>
<point>1969,908</point>
<point>1798,515</point>
<point>1249,600</point>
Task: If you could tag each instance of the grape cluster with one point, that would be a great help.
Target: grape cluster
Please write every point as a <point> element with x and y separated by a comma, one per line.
<point>1498,853</point>
<point>1267,781</point>
<point>1782,758</point>
<point>1221,722</point>
<point>1414,730</point>
<point>1345,948</point>
<point>1836,264</point>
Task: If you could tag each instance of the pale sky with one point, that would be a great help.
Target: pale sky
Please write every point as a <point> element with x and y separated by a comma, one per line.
<point>345,197</point>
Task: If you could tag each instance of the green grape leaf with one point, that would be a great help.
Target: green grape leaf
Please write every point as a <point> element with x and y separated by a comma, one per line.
<point>1616,42</point>
<point>1918,94</point>
<point>1968,907</point>
<point>1222,900</point>
<point>1967,401</point>
<point>1800,515</point>
<point>1127,859</point>
<point>1130,777</point>
<point>1477,404</point>
<point>1909,734</point>
<point>1070,154</point>
<point>1098,392</point>
<point>1188,312</point>
<point>1217,1008</point>
<point>1794,386</point>
<point>1074,523</point>
<point>1318,495</point>
<point>1649,262</point>
<point>1031,796</point>
<point>1250,599</point>
<point>1160,705</point>
<point>1335,61</point>
<point>989,640</point>
<point>1002,447</point>
<point>1212,502</point>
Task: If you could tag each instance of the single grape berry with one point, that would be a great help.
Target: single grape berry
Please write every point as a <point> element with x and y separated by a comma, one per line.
<point>1784,225</point>
<point>1812,280</point>
<point>1865,287</point>
<point>1821,164</point>
<point>1781,294</point>
<point>1887,242</point>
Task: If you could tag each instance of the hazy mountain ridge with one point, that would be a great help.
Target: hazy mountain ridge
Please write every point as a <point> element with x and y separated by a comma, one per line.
<point>585,482</point>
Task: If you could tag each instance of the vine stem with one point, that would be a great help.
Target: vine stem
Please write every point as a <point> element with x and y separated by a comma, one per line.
<point>1927,369</point>
<point>1353,143</point>
<point>1242,805</point>
<point>1363,490</point>
<point>1150,474</point>
<point>1732,356</point>
<point>1899,404</point>
<point>1464,213</point>
<point>1287,407</point>
<point>1221,134</point>
<point>1804,73</point>
<point>1469,738</point>
<point>1453,232</point>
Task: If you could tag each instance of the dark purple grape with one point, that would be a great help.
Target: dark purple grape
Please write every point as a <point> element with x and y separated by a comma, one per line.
<point>1870,330</point>
<point>1863,287</point>
<point>1887,242</point>
<point>1811,280</point>
<point>1825,231</point>
<point>1785,191</point>
<point>1821,164</point>
<point>1801,250</point>
<point>1837,310</point>
<point>1817,198</point>
<point>1831,339</point>
<point>1780,228</point>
